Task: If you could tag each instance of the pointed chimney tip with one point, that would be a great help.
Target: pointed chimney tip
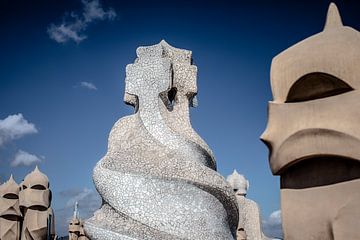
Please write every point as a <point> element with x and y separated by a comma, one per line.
<point>333,18</point>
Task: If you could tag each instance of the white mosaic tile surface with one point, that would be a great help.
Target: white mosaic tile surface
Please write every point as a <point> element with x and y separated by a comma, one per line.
<point>158,179</point>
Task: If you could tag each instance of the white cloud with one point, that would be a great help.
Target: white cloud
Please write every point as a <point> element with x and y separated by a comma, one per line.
<point>88,85</point>
<point>80,197</point>
<point>14,127</point>
<point>94,11</point>
<point>272,226</point>
<point>275,218</point>
<point>67,31</point>
<point>25,159</point>
<point>74,28</point>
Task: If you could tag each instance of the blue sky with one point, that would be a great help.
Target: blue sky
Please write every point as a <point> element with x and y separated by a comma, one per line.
<point>61,88</point>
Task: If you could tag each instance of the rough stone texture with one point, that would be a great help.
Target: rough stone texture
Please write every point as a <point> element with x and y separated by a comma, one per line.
<point>35,201</point>
<point>158,179</point>
<point>10,215</point>
<point>313,133</point>
<point>249,213</point>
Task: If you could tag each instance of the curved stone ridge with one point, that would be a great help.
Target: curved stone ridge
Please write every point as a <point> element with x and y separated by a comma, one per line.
<point>158,179</point>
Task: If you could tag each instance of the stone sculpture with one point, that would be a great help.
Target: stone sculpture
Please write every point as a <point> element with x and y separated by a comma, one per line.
<point>76,227</point>
<point>313,133</point>
<point>10,215</point>
<point>35,201</point>
<point>82,234</point>
<point>158,179</point>
<point>249,213</point>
